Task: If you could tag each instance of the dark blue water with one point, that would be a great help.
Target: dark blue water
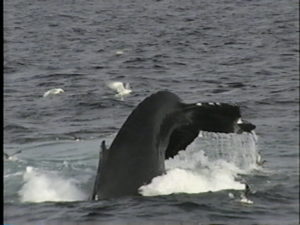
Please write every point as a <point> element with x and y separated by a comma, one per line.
<point>237,51</point>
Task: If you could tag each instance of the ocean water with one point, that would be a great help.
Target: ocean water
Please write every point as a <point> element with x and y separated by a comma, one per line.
<point>236,51</point>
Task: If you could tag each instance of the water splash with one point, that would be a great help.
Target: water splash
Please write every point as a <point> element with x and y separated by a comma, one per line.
<point>211,163</point>
<point>237,149</point>
<point>41,186</point>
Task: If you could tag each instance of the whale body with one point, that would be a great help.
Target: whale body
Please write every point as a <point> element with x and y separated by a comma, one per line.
<point>157,129</point>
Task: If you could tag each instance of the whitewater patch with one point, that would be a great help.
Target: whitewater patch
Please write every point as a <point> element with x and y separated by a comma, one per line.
<point>212,162</point>
<point>184,181</point>
<point>41,186</point>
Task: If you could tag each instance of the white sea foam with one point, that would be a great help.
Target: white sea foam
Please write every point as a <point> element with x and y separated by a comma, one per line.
<point>245,200</point>
<point>40,186</point>
<point>204,166</point>
<point>121,89</point>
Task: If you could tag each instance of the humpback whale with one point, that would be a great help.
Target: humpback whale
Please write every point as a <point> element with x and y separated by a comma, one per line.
<point>157,129</point>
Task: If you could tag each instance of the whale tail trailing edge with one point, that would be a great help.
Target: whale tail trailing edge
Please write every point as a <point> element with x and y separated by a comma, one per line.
<point>210,117</point>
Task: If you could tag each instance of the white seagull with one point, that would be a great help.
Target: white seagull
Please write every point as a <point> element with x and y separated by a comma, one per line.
<point>121,89</point>
<point>54,91</point>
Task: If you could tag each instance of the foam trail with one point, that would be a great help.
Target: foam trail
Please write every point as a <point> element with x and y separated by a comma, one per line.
<point>43,186</point>
<point>211,163</point>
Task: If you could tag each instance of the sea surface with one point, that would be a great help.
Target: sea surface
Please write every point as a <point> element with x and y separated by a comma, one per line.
<point>244,52</point>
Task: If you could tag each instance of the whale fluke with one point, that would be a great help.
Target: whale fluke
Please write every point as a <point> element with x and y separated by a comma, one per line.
<point>159,127</point>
